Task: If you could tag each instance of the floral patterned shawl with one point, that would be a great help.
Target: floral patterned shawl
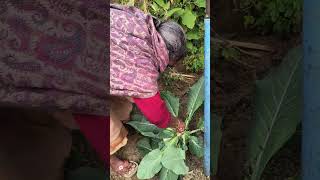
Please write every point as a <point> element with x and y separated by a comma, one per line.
<point>53,54</point>
<point>137,53</point>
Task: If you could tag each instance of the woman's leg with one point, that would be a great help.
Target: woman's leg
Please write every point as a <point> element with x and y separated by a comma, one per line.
<point>33,146</point>
<point>121,108</point>
<point>122,167</point>
<point>120,111</point>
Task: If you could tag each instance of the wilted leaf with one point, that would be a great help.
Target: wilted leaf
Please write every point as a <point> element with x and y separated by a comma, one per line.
<point>150,165</point>
<point>278,111</point>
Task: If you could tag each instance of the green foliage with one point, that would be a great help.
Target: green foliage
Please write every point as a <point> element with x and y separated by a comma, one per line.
<point>196,146</point>
<point>196,98</point>
<point>150,165</point>
<point>278,111</point>
<point>166,174</point>
<point>280,16</point>
<point>190,15</point>
<point>165,149</point>
<point>144,146</point>
<point>173,159</point>
<point>172,103</point>
<point>143,126</point>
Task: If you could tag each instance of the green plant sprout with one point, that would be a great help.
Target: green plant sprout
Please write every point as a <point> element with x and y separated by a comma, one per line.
<point>164,150</point>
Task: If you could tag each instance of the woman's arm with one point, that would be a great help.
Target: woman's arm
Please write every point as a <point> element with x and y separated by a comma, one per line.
<point>155,110</point>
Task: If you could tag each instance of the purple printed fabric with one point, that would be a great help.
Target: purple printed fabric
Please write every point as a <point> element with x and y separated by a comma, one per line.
<point>53,54</point>
<point>137,53</point>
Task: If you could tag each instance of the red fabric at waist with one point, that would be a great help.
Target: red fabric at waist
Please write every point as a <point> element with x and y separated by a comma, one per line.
<point>96,130</point>
<point>154,109</point>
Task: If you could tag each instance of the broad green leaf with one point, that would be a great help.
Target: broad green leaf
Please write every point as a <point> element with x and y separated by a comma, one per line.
<point>189,19</point>
<point>85,173</point>
<point>172,103</point>
<point>200,124</point>
<point>180,13</point>
<point>144,146</point>
<point>150,165</point>
<point>190,46</point>
<point>196,97</point>
<point>172,12</point>
<point>166,174</point>
<point>200,3</point>
<point>173,159</point>
<point>154,142</point>
<point>216,142</point>
<point>278,111</point>
<point>166,133</point>
<point>160,145</point>
<point>191,35</point>
<point>171,141</point>
<point>196,146</point>
<point>143,126</point>
<point>150,134</point>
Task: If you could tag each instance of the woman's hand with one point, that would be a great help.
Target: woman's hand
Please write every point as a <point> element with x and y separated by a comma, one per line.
<point>177,124</point>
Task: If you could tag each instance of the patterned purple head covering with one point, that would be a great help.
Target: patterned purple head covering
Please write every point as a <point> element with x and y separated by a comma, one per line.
<point>137,53</point>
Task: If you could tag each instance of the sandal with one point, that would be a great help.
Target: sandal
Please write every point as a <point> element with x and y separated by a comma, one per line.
<point>128,173</point>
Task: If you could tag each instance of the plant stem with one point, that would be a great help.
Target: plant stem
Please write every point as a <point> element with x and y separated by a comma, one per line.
<point>195,131</point>
<point>187,122</point>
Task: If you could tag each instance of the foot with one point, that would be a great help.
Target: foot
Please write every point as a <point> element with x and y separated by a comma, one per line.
<point>123,168</point>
